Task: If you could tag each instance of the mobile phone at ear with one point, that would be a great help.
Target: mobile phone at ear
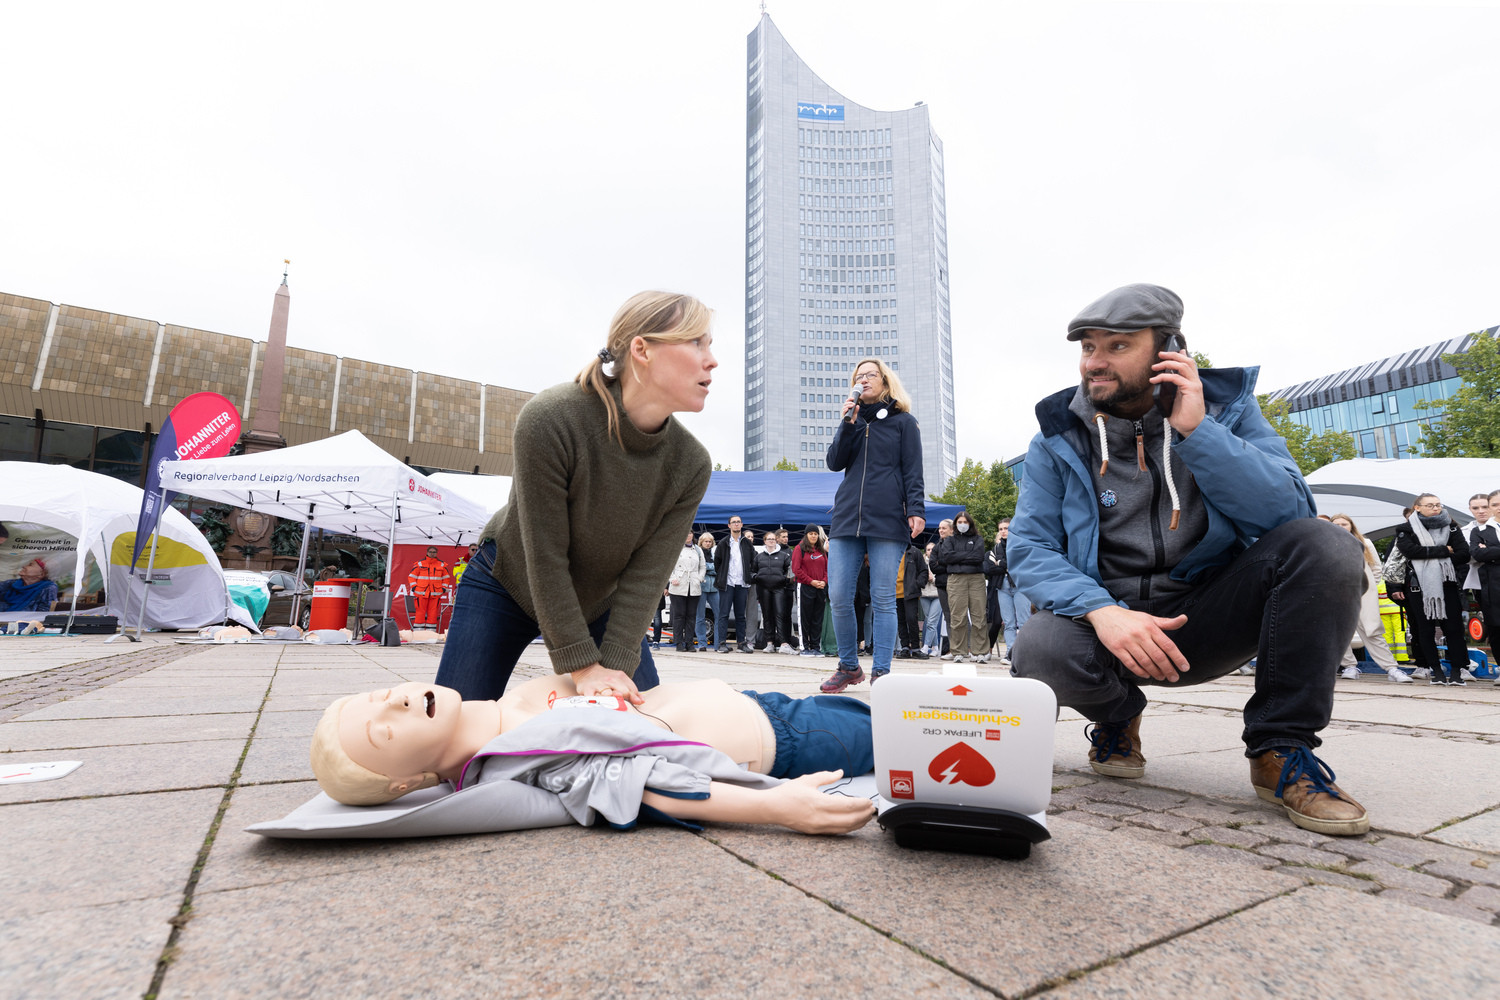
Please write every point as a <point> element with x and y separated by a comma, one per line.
<point>1165,393</point>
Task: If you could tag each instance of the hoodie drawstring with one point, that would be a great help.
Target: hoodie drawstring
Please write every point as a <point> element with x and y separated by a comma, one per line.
<point>1099,419</point>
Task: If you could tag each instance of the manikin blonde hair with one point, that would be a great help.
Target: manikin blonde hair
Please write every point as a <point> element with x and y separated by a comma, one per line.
<point>659,317</point>
<point>341,778</point>
<point>894,390</point>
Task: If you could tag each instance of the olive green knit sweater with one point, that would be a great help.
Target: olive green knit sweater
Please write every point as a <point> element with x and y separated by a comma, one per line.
<point>592,527</point>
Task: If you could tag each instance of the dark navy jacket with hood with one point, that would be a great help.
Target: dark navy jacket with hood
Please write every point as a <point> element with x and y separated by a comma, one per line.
<point>881,459</point>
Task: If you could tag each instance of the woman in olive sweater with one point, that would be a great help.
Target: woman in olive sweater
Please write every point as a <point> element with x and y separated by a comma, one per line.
<point>605,488</point>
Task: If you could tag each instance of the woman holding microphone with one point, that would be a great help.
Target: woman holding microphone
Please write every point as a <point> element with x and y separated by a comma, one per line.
<point>877,510</point>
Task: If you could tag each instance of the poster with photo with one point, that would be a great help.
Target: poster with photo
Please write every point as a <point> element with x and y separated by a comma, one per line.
<point>37,564</point>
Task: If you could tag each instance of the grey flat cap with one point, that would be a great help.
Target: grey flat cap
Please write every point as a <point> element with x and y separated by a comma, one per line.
<point>1130,308</point>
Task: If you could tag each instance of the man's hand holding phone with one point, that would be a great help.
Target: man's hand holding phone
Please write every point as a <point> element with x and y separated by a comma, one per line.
<point>1177,388</point>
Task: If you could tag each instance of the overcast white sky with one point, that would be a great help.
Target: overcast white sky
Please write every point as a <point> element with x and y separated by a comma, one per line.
<point>472,189</point>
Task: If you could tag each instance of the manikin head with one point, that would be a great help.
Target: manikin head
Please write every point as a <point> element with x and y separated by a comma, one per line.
<point>374,747</point>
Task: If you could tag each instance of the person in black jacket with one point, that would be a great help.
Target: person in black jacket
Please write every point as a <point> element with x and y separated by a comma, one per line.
<point>877,511</point>
<point>963,555</point>
<point>1485,550</point>
<point>914,577</point>
<point>734,568</point>
<point>1438,556</point>
<point>773,578</point>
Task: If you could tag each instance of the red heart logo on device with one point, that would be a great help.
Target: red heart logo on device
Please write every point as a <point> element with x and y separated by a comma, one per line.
<point>961,763</point>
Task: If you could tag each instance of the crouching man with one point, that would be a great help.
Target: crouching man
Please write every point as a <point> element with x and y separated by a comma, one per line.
<point>1168,536</point>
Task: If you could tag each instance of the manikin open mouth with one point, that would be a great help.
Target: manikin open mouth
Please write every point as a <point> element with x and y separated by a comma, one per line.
<point>431,701</point>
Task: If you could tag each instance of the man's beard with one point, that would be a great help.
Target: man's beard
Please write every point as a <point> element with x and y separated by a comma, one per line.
<point>1124,399</point>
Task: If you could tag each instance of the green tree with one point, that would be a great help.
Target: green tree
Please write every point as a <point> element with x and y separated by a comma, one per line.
<point>1470,427</point>
<point>988,494</point>
<point>785,465</point>
<point>1309,451</point>
<point>721,467</point>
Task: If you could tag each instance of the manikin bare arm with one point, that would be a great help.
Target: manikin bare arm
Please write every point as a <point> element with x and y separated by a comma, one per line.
<point>796,805</point>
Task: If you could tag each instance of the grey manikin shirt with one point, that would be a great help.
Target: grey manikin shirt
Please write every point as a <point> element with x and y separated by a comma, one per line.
<point>599,762</point>
<point>1137,548</point>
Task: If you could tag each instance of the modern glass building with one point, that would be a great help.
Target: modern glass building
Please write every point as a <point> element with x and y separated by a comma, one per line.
<point>1376,402</point>
<point>846,257</point>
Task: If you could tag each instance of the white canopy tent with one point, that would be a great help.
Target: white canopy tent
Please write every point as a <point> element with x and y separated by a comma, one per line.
<point>100,513</point>
<point>490,492</point>
<point>1373,491</point>
<point>345,483</point>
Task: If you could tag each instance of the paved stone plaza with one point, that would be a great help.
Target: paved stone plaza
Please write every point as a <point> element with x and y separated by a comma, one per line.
<point>132,876</point>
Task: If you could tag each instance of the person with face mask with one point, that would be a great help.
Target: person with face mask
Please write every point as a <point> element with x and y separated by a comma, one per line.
<point>962,555</point>
<point>773,586</point>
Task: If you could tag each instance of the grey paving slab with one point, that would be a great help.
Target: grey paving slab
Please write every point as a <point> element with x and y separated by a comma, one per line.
<point>297,722</point>
<point>121,770</point>
<point>104,952</point>
<point>104,704</point>
<point>545,913</point>
<point>1320,940</point>
<point>1408,800</point>
<point>277,758</point>
<point>1096,895</point>
<point>1480,833</point>
<point>89,852</point>
<point>123,732</point>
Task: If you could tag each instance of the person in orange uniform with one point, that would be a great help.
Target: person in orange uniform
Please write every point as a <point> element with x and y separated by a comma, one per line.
<point>428,582</point>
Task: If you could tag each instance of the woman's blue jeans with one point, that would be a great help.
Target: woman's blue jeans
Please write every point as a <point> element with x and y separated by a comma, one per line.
<point>490,631</point>
<point>932,614</point>
<point>846,556</point>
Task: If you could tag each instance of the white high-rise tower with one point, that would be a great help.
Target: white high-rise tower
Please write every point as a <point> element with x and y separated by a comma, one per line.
<point>846,257</point>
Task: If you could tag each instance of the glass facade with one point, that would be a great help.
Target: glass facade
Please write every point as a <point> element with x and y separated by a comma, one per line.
<point>109,451</point>
<point>1376,403</point>
<point>846,258</point>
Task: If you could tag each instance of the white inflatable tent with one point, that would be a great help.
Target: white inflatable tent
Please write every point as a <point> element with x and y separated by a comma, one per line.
<point>1374,490</point>
<point>101,513</point>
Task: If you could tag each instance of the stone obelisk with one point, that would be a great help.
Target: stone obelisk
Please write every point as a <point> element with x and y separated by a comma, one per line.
<point>265,431</point>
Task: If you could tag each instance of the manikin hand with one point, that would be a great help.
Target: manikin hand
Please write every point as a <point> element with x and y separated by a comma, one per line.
<point>800,806</point>
<point>1140,641</point>
<point>596,678</point>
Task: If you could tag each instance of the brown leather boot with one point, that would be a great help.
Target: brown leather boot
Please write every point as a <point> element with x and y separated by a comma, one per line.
<point>1117,748</point>
<point>1304,786</point>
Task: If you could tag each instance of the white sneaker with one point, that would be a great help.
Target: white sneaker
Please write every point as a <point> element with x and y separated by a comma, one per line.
<point>1398,676</point>
<point>786,647</point>
<point>1421,673</point>
<point>1245,669</point>
<point>1005,661</point>
<point>982,658</point>
<point>1350,673</point>
<point>1468,674</point>
<point>947,656</point>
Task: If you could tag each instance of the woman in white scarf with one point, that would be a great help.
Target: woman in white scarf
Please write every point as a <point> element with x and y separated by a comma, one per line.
<point>1437,553</point>
<point>1369,629</point>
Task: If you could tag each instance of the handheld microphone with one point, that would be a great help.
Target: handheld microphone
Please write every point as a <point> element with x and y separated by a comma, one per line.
<point>855,391</point>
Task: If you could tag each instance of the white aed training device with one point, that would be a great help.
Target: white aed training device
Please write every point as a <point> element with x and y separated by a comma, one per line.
<point>964,762</point>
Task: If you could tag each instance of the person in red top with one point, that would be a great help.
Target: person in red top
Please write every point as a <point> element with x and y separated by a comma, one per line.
<point>428,582</point>
<point>810,567</point>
